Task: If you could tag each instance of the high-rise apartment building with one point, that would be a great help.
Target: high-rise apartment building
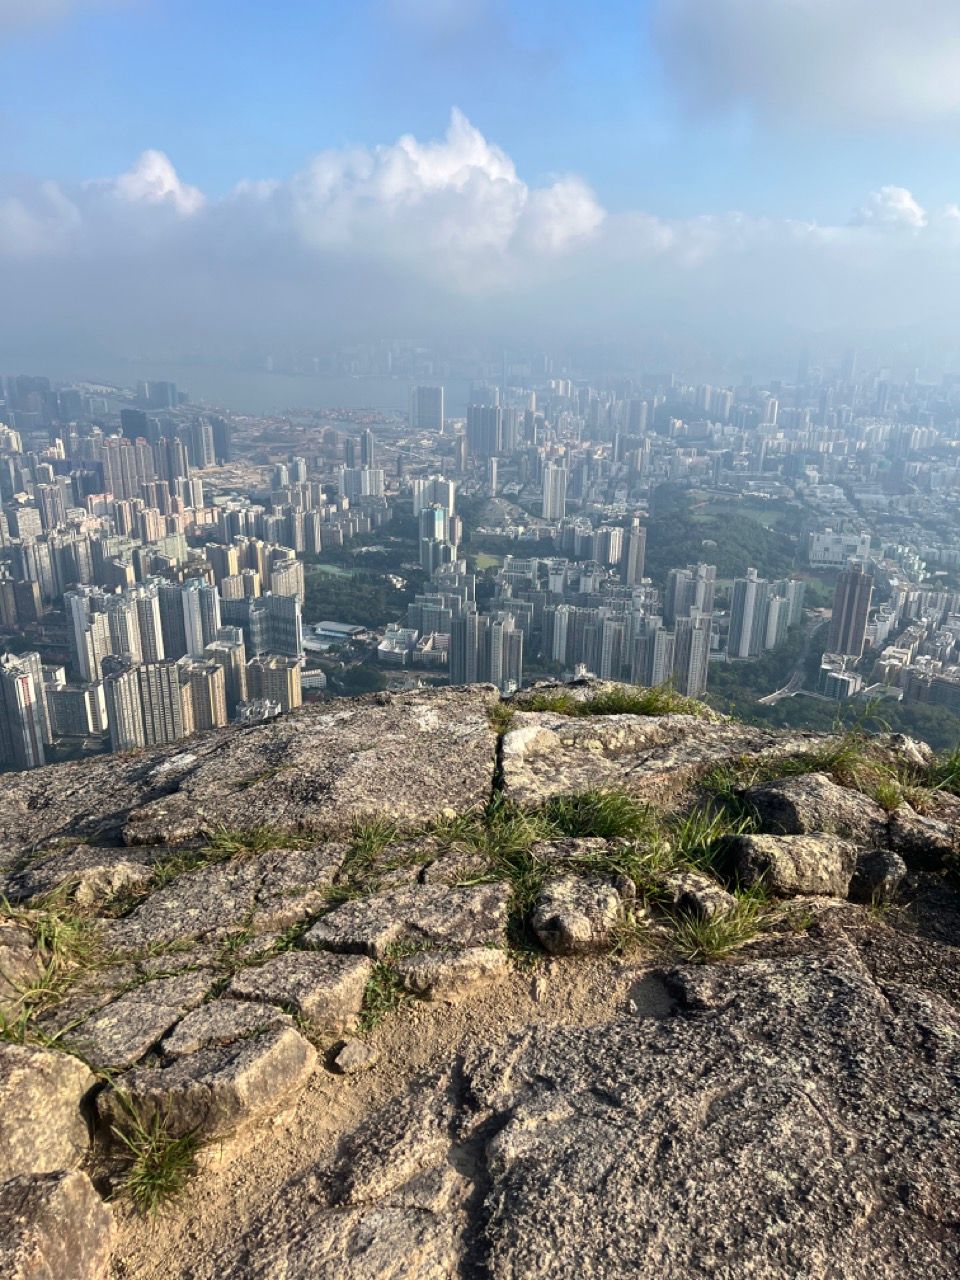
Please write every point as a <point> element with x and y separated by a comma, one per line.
<point>748,616</point>
<point>426,409</point>
<point>24,718</point>
<point>634,553</point>
<point>554,491</point>
<point>277,680</point>
<point>851,610</point>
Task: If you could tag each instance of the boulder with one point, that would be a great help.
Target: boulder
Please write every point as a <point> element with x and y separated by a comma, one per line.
<point>54,1226</point>
<point>324,989</point>
<point>42,1093</point>
<point>695,894</point>
<point>878,876</point>
<point>813,803</point>
<point>433,915</point>
<point>573,916</point>
<point>923,840</point>
<point>214,1091</point>
<point>798,864</point>
<point>451,975</point>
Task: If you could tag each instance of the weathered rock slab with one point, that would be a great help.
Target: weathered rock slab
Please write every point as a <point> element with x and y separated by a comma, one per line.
<point>269,891</point>
<point>54,1226</point>
<point>324,988</point>
<point>119,1034</point>
<point>436,915</point>
<point>215,1091</point>
<point>654,758</point>
<point>791,1118</point>
<point>320,769</point>
<point>222,1022</point>
<point>41,1095</point>
<point>795,864</point>
<point>813,803</point>
<point>88,875</point>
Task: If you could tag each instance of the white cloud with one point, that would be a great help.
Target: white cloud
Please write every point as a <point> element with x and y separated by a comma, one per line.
<point>153,180</point>
<point>849,61</point>
<point>892,207</point>
<point>446,236</point>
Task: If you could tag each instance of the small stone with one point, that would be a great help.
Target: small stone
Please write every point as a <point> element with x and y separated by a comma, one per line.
<point>354,1056</point>
<point>326,990</point>
<point>451,975</point>
<point>41,1094</point>
<point>54,1226</point>
<point>573,916</point>
<point>797,864</point>
<point>694,894</point>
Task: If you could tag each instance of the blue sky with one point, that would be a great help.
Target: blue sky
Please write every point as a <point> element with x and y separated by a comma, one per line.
<point>235,89</point>
<point>736,176</point>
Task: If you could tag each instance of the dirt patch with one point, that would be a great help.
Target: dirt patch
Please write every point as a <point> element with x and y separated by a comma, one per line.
<point>236,1187</point>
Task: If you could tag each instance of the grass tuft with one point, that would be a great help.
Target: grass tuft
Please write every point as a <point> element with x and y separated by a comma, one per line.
<point>158,1166</point>
<point>610,815</point>
<point>700,940</point>
<point>501,716</point>
<point>383,994</point>
<point>660,701</point>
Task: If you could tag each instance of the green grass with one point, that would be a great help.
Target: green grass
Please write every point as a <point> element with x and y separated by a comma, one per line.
<point>849,759</point>
<point>501,716</point>
<point>696,837</point>
<point>610,815</point>
<point>637,701</point>
<point>20,1028</point>
<point>226,843</point>
<point>157,1165</point>
<point>68,941</point>
<point>383,994</point>
<point>700,940</point>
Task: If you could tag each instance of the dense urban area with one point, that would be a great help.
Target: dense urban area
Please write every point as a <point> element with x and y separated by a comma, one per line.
<point>791,552</point>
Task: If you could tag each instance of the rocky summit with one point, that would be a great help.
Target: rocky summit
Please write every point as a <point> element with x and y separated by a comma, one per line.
<point>586,981</point>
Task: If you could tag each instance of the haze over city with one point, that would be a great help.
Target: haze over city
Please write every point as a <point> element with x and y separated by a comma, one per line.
<point>710,183</point>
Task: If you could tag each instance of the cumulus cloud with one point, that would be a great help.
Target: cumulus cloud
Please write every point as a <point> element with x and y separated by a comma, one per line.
<point>442,237</point>
<point>849,61</point>
<point>893,207</point>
